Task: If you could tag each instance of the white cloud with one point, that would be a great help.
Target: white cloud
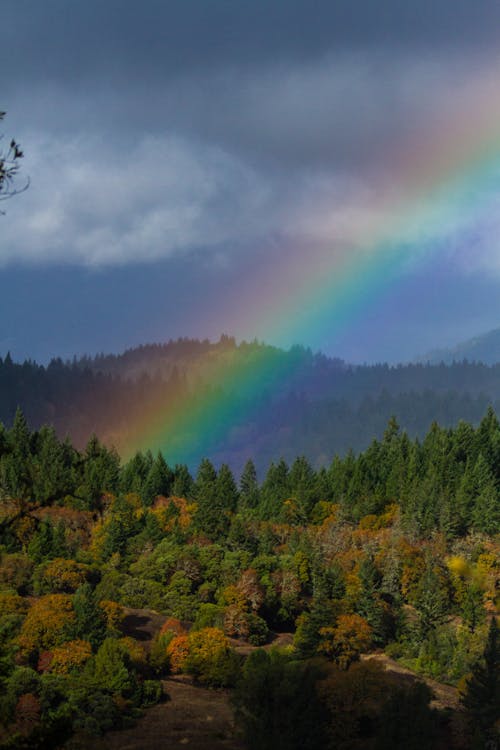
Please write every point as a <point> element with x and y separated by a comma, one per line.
<point>93,205</point>
<point>308,154</point>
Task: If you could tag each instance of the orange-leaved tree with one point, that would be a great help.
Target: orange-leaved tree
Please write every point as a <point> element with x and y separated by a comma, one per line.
<point>70,656</point>
<point>211,659</point>
<point>62,575</point>
<point>47,623</point>
<point>344,642</point>
<point>177,652</point>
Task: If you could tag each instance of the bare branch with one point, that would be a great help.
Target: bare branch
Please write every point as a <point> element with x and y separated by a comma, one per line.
<point>9,169</point>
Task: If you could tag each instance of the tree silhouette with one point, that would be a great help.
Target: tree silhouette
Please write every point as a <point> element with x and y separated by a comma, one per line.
<point>9,169</point>
<point>481,699</point>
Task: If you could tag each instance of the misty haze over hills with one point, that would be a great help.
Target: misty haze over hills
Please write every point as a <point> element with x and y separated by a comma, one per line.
<point>483,348</point>
<point>307,403</point>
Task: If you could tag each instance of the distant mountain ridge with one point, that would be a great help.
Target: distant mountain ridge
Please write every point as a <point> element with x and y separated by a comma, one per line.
<point>307,404</point>
<point>484,348</point>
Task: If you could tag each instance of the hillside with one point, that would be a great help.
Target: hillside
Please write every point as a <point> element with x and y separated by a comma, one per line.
<point>130,586</point>
<point>298,402</point>
<point>484,348</point>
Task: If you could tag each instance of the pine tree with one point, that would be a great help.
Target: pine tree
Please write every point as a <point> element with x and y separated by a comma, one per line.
<point>486,511</point>
<point>487,435</point>
<point>369,604</point>
<point>182,484</point>
<point>51,475</point>
<point>464,443</point>
<point>120,528</point>
<point>19,436</point>
<point>465,498</point>
<point>249,487</point>
<point>133,475</point>
<point>209,515</point>
<point>90,624</point>
<point>323,488</point>
<point>16,464</point>
<point>40,546</point>
<point>101,472</point>
<point>227,492</point>
<point>275,490</point>
<point>339,474</point>
<point>158,481</point>
<point>302,482</point>
<point>432,601</point>
<point>472,606</point>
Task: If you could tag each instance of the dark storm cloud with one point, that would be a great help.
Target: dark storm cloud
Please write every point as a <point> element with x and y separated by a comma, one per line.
<point>282,78</point>
<point>171,144</point>
<point>120,38</point>
<point>156,128</point>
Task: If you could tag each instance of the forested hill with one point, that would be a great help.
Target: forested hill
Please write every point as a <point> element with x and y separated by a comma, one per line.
<point>313,405</point>
<point>395,549</point>
<point>484,348</point>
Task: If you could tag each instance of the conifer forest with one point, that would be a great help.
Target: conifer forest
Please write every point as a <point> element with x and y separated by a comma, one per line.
<point>352,606</point>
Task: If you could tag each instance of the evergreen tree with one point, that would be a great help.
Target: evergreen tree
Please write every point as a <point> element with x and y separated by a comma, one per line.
<point>369,604</point>
<point>41,545</point>
<point>182,485</point>
<point>464,449</point>
<point>158,481</point>
<point>110,669</point>
<point>210,514</point>
<point>323,488</point>
<point>302,482</point>
<point>249,487</point>
<point>465,497</point>
<point>227,492</point>
<point>152,531</point>
<point>59,546</point>
<point>133,475</point>
<point>432,601</point>
<point>120,528</point>
<point>486,511</point>
<point>15,475</point>
<point>482,475</point>
<point>275,489</point>
<point>449,518</point>
<point>339,474</point>
<point>51,475</point>
<point>322,613</point>
<point>101,473</point>
<point>19,437</point>
<point>277,703</point>
<point>481,699</point>
<point>472,606</point>
<point>90,624</point>
<point>487,435</point>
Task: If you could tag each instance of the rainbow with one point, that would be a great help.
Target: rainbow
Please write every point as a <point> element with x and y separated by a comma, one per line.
<point>440,184</point>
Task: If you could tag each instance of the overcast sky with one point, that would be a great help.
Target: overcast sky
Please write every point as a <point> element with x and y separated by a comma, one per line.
<point>174,146</point>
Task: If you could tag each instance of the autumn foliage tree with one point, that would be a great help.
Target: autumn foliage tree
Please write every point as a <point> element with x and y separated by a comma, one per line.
<point>177,652</point>
<point>346,641</point>
<point>70,656</point>
<point>62,575</point>
<point>210,658</point>
<point>47,623</point>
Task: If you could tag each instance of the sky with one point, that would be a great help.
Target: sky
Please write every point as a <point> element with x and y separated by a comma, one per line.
<point>200,167</point>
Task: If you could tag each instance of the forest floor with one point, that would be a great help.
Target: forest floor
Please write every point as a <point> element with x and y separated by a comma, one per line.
<point>202,719</point>
<point>191,716</point>
<point>445,696</point>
